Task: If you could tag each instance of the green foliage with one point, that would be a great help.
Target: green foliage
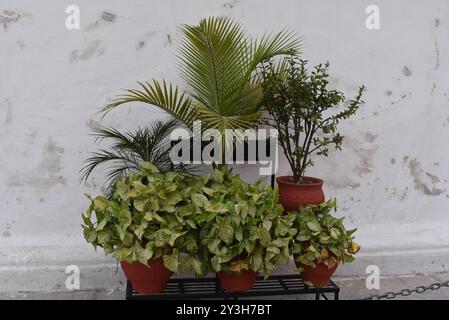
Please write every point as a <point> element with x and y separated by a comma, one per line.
<point>146,218</point>
<point>322,237</point>
<point>217,61</point>
<point>214,222</point>
<point>299,105</point>
<point>243,226</point>
<point>129,149</point>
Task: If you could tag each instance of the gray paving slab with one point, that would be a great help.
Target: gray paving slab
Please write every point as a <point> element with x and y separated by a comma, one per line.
<point>350,288</point>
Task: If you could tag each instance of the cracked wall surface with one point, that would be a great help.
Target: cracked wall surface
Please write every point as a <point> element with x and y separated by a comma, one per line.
<point>390,179</point>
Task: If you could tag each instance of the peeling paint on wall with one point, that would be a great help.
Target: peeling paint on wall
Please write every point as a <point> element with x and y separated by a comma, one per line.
<point>6,110</point>
<point>9,17</point>
<point>433,178</point>
<point>366,161</point>
<point>437,22</point>
<point>109,17</point>
<point>47,173</point>
<point>399,194</point>
<point>365,152</point>
<point>104,19</point>
<point>143,41</point>
<point>7,232</point>
<point>230,4</point>
<point>434,86</point>
<point>343,183</point>
<point>370,137</point>
<point>92,49</point>
<point>21,44</point>
<point>402,97</point>
<point>437,55</point>
<point>93,124</point>
<point>416,172</point>
<point>169,41</point>
<point>141,44</point>
<point>406,71</point>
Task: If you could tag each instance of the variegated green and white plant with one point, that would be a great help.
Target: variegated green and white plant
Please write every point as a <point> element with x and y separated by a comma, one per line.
<point>243,226</point>
<point>210,223</point>
<point>321,237</point>
<point>146,219</point>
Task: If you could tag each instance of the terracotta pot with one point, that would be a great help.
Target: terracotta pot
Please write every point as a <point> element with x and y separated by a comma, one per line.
<point>318,276</point>
<point>151,278</point>
<point>240,282</point>
<point>293,195</point>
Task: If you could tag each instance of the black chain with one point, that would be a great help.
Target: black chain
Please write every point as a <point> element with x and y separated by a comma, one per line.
<point>408,292</point>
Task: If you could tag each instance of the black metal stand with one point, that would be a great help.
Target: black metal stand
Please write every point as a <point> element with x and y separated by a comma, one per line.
<point>209,288</point>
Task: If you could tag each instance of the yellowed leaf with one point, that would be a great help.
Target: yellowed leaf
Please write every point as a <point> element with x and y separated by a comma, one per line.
<point>324,253</point>
<point>353,248</point>
<point>238,266</point>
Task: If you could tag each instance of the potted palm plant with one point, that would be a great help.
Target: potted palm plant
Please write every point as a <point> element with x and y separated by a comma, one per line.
<point>218,62</point>
<point>243,229</point>
<point>127,150</point>
<point>143,226</point>
<point>299,104</point>
<point>322,243</point>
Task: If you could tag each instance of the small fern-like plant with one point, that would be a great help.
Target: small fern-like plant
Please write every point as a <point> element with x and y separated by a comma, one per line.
<point>129,149</point>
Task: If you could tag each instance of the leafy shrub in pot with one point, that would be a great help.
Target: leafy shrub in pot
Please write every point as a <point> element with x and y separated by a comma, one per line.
<point>217,60</point>
<point>243,229</point>
<point>144,227</point>
<point>301,106</point>
<point>322,243</point>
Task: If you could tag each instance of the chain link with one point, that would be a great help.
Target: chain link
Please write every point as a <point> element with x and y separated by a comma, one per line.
<point>408,292</point>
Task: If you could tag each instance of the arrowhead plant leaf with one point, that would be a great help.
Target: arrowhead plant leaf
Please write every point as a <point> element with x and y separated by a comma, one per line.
<point>322,238</point>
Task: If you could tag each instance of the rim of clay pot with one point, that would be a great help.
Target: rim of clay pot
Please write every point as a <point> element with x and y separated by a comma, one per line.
<point>316,182</point>
<point>238,273</point>
<point>145,264</point>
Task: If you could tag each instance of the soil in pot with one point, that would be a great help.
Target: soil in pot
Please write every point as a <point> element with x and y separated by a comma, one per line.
<point>294,195</point>
<point>237,282</point>
<point>151,278</point>
<point>318,276</point>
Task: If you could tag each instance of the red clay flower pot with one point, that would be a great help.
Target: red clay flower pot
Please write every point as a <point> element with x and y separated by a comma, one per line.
<point>151,278</point>
<point>318,276</point>
<point>240,282</point>
<point>293,195</point>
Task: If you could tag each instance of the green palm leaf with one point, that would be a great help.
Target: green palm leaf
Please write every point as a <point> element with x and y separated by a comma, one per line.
<point>218,62</point>
<point>129,149</point>
<point>165,96</point>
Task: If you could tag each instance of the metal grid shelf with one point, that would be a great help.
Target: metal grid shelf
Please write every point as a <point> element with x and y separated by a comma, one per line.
<point>209,288</point>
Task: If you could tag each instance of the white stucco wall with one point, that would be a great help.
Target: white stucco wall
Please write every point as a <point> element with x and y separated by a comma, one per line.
<point>390,179</point>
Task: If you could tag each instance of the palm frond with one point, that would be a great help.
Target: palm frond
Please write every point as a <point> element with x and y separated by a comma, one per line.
<point>129,149</point>
<point>283,43</point>
<point>165,96</point>
<point>211,61</point>
<point>124,160</point>
<point>218,60</point>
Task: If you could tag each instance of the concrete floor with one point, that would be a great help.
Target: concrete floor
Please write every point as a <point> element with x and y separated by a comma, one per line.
<point>349,289</point>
